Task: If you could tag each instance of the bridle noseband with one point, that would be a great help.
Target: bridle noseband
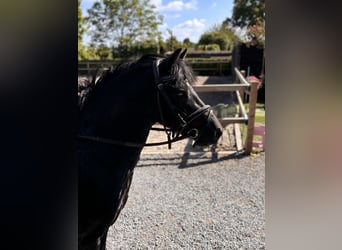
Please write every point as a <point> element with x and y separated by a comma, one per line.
<point>184,122</point>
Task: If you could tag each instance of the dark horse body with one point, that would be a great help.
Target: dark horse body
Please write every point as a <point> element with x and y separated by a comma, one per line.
<point>122,106</point>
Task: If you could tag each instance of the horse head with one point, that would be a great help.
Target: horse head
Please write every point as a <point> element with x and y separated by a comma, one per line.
<point>181,108</point>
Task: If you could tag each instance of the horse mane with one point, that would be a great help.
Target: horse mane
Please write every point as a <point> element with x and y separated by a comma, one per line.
<point>86,86</point>
<point>179,71</point>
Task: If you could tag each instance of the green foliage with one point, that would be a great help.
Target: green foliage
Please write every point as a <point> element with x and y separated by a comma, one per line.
<point>201,47</point>
<point>88,53</point>
<point>214,38</point>
<point>81,30</point>
<point>136,50</point>
<point>207,67</point>
<point>247,12</point>
<point>209,47</point>
<point>222,35</point>
<point>256,34</point>
<point>104,52</point>
<point>188,44</point>
<point>82,51</point>
<point>212,47</point>
<point>171,43</point>
<point>123,24</point>
<point>249,15</point>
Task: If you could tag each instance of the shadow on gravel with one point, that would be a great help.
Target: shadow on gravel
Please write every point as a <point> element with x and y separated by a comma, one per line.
<point>186,157</point>
<point>186,160</point>
<point>214,157</point>
<point>190,158</point>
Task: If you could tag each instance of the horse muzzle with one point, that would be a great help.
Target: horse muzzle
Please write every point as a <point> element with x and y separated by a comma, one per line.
<point>210,132</point>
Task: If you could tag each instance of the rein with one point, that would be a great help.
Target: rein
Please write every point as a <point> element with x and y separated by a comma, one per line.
<point>131,144</point>
<point>184,122</point>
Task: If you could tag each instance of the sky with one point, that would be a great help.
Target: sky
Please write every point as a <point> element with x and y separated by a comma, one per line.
<point>186,18</point>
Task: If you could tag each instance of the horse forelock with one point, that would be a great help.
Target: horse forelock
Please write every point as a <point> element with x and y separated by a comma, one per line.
<point>181,71</point>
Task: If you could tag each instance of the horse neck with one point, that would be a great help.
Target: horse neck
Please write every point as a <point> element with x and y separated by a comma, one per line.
<point>121,111</point>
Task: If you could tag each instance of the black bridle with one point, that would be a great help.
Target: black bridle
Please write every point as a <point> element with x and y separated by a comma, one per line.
<point>184,121</point>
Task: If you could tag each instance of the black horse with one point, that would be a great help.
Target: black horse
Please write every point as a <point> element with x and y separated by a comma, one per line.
<point>117,111</point>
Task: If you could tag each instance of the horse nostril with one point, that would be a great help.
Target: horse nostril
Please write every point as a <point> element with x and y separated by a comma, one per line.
<point>218,133</point>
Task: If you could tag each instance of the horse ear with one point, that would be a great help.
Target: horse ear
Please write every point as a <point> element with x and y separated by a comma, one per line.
<point>183,54</point>
<point>174,57</point>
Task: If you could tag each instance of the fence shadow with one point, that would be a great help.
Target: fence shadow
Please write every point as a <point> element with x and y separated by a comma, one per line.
<point>214,158</point>
<point>189,158</point>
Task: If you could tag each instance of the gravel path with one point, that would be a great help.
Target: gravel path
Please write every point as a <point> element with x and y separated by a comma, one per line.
<point>188,201</point>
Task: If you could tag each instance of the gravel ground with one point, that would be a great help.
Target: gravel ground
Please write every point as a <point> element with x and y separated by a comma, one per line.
<point>188,201</point>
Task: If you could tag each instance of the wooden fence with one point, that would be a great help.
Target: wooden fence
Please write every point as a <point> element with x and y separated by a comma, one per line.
<point>219,68</point>
<point>242,87</point>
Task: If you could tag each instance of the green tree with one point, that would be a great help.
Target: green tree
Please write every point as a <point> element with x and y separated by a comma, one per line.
<point>209,47</point>
<point>188,44</point>
<point>104,52</point>
<point>121,24</point>
<point>249,15</point>
<point>81,31</point>
<point>172,43</point>
<point>222,35</point>
<point>247,12</point>
<point>256,34</point>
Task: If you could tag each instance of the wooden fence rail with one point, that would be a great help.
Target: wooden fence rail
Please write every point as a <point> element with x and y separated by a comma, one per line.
<point>241,87</point>
<point>214,67</point>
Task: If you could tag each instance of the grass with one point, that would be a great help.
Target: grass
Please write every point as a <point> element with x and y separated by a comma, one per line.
<point>260,119</point>
<point>231,110</point>
<point>259,112</point>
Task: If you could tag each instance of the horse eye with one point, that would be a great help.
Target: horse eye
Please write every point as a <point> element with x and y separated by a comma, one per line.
<point>182,94</point>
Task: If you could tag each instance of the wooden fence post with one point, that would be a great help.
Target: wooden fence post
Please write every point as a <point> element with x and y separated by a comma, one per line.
<point>253,95</point>
<point>242,91</point>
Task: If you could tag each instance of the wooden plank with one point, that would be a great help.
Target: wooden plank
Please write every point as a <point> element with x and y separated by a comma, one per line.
<point>238,137</point>
<point>204,69</point>
<point>209,54</point>
<point>241,77</point>
<point>251,116</point>
<point>218,87</point>
<point>229,120</point>
<point>242,92</point>
<point>208,62</point>
<point>242,107</point>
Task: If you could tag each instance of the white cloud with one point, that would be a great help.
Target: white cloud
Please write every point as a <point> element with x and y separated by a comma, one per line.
<point>163,26</point>
<point>194,23</point>
<point>157,3</point>
<point>175,5</point>
<point>175,16</point>
<point>213,5</point>
<point>191,29</point>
